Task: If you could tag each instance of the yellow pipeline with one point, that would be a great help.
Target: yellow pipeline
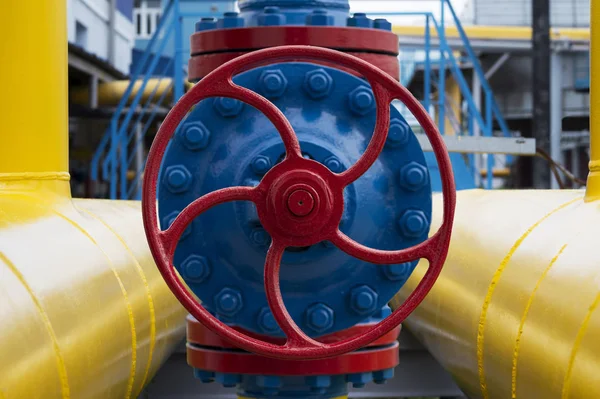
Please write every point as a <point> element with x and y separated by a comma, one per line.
<point>84,311</point>
<point>110,94</point>
<point>593,184</point>
<point>515,310</point>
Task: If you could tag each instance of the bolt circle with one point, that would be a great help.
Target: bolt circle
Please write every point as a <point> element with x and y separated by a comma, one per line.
<point>195,269</point>
<point>333,164</point>
<point>261,165</point>
<point>177,179</point>
<point>319,317</point>
<point>361,101</point>
<point>363,300</point>
<point>318,84</point>
<point>273,83</point>
<point>413,223</point>
<point>398,134</point>
<point>228,302</point>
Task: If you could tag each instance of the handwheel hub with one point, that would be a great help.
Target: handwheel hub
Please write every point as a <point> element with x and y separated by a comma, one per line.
<point>304,202</point>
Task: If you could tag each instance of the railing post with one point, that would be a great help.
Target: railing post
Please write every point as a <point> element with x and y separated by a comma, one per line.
<point>489,127</point>
<point>178,64</point>
<point>427,77</point>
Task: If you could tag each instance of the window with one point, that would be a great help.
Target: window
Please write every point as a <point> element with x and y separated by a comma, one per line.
<point>81,34</point>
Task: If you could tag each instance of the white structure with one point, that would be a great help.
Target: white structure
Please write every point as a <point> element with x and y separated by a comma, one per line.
<point>103,28</point>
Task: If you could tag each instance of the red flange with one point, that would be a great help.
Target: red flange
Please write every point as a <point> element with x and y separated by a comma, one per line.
<point>286,228</point>
<point>198,334</point>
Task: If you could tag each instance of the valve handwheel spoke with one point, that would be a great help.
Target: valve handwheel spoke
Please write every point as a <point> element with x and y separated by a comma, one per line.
<point>296,338</point>
<point>299,201</point>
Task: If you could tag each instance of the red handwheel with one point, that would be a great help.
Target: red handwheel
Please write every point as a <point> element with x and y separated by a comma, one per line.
<point>299,202</point>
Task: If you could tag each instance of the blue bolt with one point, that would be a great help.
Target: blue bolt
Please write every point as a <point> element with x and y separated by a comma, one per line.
<point>359,380</point>
<point>414,176</point>
<point>170,218</point>
<point>261,165</point>
<point>195,269</point>
<point>382,24</point>
<point>398,272</point>
<point>333,164</point>
<point>382,376</point>
<point>384,312</point>
<point>360,20</point>
<point>318,83</point>
<point>228,380</point>
<point>413,223</point>
<point>398,134</point>
<point>273,83</point>
<point>204,376</point>
<point>271,16</point>
<point>229,302</point>
<point>319,17</point>
<point>319,317</point>
<point>228,107</point>
<point>269,383</point>
<point>363,300</point>
<point>195,136</point>
<point>361,100</point>
<point>206,24</point>
<point>230,20</point>
<point>318,383</point>
<point>178,179</point>
<point>266,321</point>
<point>260,237</point>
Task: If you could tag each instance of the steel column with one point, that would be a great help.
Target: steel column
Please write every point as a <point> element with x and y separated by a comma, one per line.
<point>556,114</point>
<point>541,88</point>
<point>476,129</point>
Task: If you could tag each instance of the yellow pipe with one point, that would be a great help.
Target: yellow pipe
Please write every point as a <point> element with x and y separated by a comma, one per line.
<point>110,94</point>
<point>593,183</point>
<point>84,311</point>
<point>33,77</point>
<point>515,310</point>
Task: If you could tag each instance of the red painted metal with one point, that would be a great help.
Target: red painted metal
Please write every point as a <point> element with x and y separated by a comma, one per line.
<point>202,65</point>
<point>198,334</point>
<point>364,361</point>
<point>260,37</point>
<point>287,229</point>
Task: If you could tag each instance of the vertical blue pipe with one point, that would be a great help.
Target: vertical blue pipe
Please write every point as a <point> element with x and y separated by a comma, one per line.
<point>427,83</point>
<point>442,77</point>
<point>123,162</point>
<point>178,74</point>
<point>113,158</point>
<point>489,128</point>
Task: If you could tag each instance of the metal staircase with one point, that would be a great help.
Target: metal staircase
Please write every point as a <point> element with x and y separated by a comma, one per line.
<point>119,158</point>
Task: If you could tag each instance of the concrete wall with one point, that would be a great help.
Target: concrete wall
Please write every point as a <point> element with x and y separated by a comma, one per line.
<point>563,13</point>
<point>88,25</point>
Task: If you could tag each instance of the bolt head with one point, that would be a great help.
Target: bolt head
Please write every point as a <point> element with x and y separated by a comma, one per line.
<point>195,136</point>
<point>260,237</point>
<point>266,321</point>
<point>359,380</point>
<point>398,272</point>
<point>228,302</point>
<point>195,269</point>
<point>360,20</point>
<point>413,223</point>
<point>318,83</point>
<point>177,179</point>
<point>273,83</point>
<point>205,376</point>
<point>319,317</point>
<point>319,17</point>
<point>381,376</point>
<point>363,300</point>
<point>361,101</point>
<point>170,218</point>
<point>271,16</point>
<point>333,164</point>
<point>398,134</point>
<point>414,176</point>
<point>382,24</point>
<point>230,20</point>
<point>228,107</point>
<point>207,23</point>
<point>261,165</point>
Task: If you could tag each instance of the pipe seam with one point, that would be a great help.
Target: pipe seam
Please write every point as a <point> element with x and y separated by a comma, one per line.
<point>25,176</point>
<point>492,287</point>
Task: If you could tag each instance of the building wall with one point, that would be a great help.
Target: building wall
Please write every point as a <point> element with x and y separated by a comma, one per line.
<point>563,13</point>
<point>88,25</point>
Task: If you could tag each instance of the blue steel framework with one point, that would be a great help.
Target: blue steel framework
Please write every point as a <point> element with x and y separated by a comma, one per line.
<point>112,155</point>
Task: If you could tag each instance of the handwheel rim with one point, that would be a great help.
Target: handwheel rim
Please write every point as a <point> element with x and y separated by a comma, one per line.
<point>162,243</point>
